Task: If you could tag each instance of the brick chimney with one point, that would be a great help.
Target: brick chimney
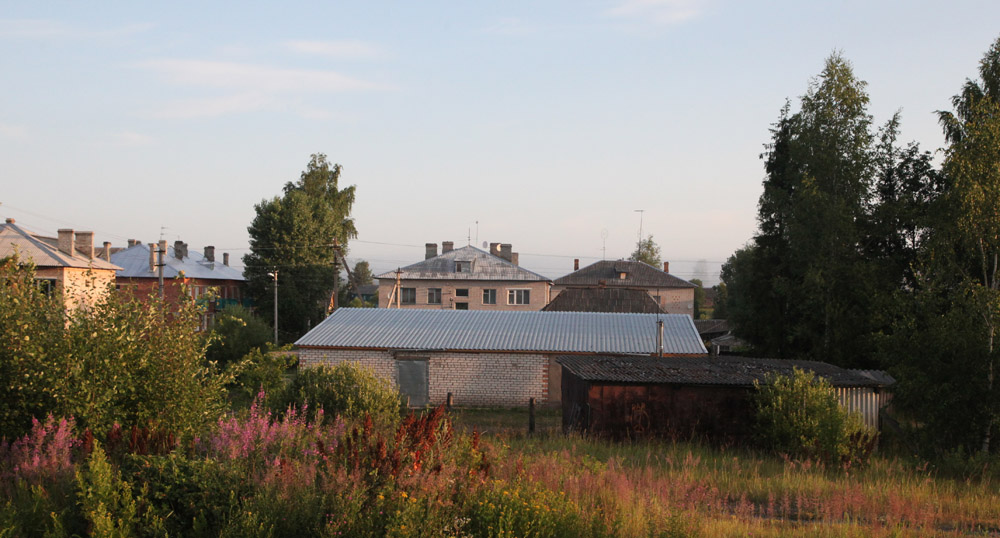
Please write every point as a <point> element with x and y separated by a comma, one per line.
<point>225,259</point>
<point>107,251</point>
<point>447,246</point>
<point>576,264</point>
<point>85,244</point>
<point>495,249</point>
<point>432,250</point>
<point>132,242</point>
<point>66,241</point>
<point>152,257</point>
<point>666,267</point>
<point>514,258</point>
<point>10,220</point>
<point>210,254</point>
<point>179,249</point>
<point>505,251</point>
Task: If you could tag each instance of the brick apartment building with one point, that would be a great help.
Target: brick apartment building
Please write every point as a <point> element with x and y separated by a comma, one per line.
<point>673,295</point>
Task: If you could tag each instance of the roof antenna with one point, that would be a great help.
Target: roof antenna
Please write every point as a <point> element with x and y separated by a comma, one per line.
<point>604,244</point>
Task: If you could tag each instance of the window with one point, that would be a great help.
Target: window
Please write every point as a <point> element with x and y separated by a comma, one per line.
<point>433,295</point>
<point>46,285</point>
<point>463,266</point>
<point>518,296</point>
<point>489,296</point>
<point>462,293</point>
<point>461,306</point>
<point>408,295</point>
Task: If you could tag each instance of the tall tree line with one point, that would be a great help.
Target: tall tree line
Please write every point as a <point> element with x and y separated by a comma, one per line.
<point>868,255</point>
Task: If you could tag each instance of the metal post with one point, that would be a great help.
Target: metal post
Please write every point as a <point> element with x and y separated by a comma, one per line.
<point>161,247</point>
<point>275,275</point>
<point>531,416</point>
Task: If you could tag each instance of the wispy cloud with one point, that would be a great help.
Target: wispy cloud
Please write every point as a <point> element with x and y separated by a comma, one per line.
<point>53,29</point>
<point>665,12</point>
<point>210,107</point>
<point>349,49</point>
<point>259,77</point>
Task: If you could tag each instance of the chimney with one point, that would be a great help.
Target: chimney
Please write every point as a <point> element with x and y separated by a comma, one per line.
<point>85,242</point>
<point>179,249</point>
<point>210,254</point>
<point>152,257</point>
<point>666,267</point>
<point>505,251</point>
<point>495,249</point>
<point>576,264</point>
<point>66,241</point>
<point>132,243</point>
<point>514,258</point>
<point>107,251</point>
<point>225,259</point>
<point>10,220</point>
<point>432,250</point>
<point>447,246</point>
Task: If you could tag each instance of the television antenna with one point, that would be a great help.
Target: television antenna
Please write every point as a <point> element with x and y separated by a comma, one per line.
<point>640,212</point>
<point>604,244</point>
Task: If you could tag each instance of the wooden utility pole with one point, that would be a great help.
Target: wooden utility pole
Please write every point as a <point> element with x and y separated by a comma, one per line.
<point>275,275</point>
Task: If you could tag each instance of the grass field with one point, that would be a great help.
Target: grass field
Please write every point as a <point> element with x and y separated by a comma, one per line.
<point>656,488</point>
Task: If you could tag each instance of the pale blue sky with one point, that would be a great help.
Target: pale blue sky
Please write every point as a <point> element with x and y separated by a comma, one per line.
<point>546,122</point>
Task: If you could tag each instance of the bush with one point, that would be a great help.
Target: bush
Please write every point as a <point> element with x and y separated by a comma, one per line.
<point>120,360</point>
<point>259,371</point>
<point>800,415</point>
<point>346,390</point>
<point>237,332</point>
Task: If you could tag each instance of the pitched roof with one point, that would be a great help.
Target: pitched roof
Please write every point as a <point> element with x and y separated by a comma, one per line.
<point>604,300</point>
<point>637,275</point>
<point>484,266</point>
<point>486,330</point>
<point>723,370</point>
<point>711,326</point>
<point>134,262</point>
<point>43,251</point>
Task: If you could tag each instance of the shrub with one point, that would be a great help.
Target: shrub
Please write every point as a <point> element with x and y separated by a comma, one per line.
<point>105,500</point>
<point>120,360</point>
<point>237,332</point>
<point>800,415</point>
<point>345,390</point>
<point>259,371</point>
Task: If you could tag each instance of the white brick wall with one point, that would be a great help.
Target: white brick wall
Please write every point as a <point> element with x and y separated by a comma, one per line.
<point>478,379</point>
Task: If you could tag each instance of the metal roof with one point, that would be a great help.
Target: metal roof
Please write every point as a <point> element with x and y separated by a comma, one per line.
<point>43,251</point>
<point>604,300</point>
<point>484,330</point>
<point>134,262</point>
<point>608,272</point>
<point>485,266</point>
<point>708,370</point>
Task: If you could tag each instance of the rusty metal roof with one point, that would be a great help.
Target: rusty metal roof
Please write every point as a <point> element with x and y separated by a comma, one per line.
<point>484,266</point>
<point>709,370</point>
<point>483,330</point>
<point>608,272</point>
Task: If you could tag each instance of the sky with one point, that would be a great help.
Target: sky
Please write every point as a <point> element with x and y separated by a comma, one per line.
<point>559,127</point>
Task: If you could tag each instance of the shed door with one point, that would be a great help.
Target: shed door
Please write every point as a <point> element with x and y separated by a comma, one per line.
<point>412,375</point>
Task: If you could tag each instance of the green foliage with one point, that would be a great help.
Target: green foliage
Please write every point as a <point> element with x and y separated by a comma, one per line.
<point>259,371</point>
<point>699,297</point>
<point>119,360</point>
<point>799,415</point>
<point>105,500</point>
<point>295,233</point>
<point>647,252</point>
<point>346,390</point>
<point>721,309</point>
<point>236,333</point>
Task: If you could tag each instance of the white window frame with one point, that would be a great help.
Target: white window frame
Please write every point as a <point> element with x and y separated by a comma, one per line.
<point>520,296</point>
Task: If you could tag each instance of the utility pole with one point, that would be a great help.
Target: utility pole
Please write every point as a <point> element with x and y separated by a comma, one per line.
<point>161,248</point>
<point>336,273</point>
<point>275,276</point>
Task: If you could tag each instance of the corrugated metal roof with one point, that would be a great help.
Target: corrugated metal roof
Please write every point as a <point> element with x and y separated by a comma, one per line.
<point>637,274</point>
<point>485,266</point>
<point>604,300</point>
<point>567,332</point>
<point>134,262</point>
<point>724,370</point>
<point>43,251</point>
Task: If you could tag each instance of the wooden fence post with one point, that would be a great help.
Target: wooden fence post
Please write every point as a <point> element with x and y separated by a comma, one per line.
<point>447,403</point>
<point>531,416</point>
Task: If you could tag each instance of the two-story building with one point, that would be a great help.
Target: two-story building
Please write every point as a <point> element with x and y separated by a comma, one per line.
<point>673,295</point>
<point>465,278</point>
<point>65,264</point>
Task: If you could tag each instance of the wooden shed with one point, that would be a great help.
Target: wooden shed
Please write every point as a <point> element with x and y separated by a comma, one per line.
<point>708,396</point>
